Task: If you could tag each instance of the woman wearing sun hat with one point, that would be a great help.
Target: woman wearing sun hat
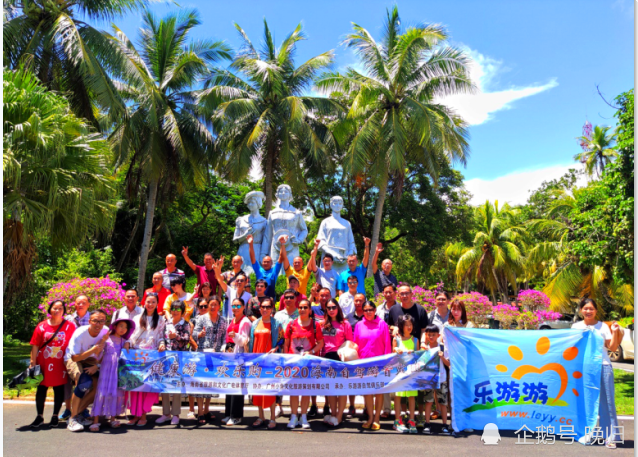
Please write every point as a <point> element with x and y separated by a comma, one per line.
<point>109,399</point>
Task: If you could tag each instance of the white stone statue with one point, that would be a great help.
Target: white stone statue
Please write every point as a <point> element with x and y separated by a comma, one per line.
<point>251,224</point>
<point>336,236</point>
<point>285,219</point>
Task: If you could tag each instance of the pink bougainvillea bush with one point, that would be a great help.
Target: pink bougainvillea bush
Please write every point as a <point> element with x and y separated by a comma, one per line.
<point>506,315</point>
<point>478,307</point>
<point>424,297</point>
<point>533,300</point>
<point>103,293</point>
<point>528,320</point>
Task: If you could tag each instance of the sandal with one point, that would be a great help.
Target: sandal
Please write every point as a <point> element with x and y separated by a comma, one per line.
<point>258,423</point>
<point>271,425</point>
<point>434,416</point>
<point>367,425</point>
<point>141,423</point>
<point>115,423</point>
<point>385,415</point>
<point>95,427</point>
<point>132,421</point>
<point>376,426</point>
<point>210,415</point>
<point>201,420</point>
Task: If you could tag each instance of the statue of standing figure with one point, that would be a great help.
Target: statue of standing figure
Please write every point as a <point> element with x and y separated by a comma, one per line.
<point>285,219</point>
<point>251,224</point>
<point>336,236</point>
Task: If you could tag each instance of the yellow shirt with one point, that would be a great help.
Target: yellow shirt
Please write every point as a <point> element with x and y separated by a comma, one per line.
<point>189,305</point>
<point>303,276</point>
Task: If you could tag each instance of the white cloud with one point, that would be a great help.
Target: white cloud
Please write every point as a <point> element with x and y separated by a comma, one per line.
<point>514,188</point>
<point>479,107</point>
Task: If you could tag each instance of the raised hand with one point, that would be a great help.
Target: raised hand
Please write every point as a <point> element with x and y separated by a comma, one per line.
<point>184,251</point>
<point>249,239</point>
<point>366,241</point>
<point>283,239</point>
<point>317,242</point>
<point>615,327</point>
<point>379,247</point>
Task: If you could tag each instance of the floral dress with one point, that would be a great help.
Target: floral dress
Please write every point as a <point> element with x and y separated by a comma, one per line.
<point>180,342</point>
<point>212,341</point>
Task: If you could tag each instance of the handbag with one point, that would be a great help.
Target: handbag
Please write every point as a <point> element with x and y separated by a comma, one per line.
<point>32,372</point>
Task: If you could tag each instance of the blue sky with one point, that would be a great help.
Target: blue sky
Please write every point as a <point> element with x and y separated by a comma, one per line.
<point>537,64</point>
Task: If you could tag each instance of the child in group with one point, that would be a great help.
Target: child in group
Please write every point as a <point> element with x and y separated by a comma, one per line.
<point>404,342</point>
<point>109,399</point>
<point>432,340</point>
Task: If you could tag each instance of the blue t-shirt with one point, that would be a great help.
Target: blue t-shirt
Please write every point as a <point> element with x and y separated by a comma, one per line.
<point>359,272</point>
<point>270,276</point>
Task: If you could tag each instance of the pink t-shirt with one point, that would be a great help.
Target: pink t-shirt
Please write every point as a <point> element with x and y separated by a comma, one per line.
<point>372,337</point>
<point>336,336</point>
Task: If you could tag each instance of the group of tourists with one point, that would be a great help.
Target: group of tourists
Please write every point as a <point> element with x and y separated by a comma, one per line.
<point>79,353</point>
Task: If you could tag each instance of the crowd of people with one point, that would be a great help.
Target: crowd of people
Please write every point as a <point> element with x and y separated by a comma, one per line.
<point>79,352</point>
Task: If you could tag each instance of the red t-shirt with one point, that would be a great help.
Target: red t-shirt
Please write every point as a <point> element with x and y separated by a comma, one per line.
<point>204,275</point>
<point>51,357</point>
<point>302,339</point>
<point>162,294</point>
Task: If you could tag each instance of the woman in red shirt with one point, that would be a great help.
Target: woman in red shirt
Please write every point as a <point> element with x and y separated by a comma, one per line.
<point>304,337</point>
<point>47,350</point>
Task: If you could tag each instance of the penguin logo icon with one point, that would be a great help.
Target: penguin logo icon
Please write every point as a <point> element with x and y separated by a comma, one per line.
<point>490,435</point>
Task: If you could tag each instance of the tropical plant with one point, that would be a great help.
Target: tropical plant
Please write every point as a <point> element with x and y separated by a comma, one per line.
<point>533,300</point>
<point>55,180</point>
<point>265,117</point>
<point>478,307</point>
<point>103,293</point>
<point>598,150</point>
<point>163,138</point>
<point>496,256</point>
<point>396,107</point>
<point>66,53</point>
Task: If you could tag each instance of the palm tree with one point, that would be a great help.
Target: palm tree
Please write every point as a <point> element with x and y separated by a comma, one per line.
<point>67,54</point>
<point>395,109</point>
<point>55,181</point>
<point>598,150</point>
<point>265,117</point>
<point>566,276</point>
<point>495,258</point>
<point>163,137</point>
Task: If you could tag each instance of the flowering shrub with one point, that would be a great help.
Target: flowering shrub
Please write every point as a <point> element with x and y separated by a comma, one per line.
<point>424,297</point>
<point>103,293</point>
<point>506,315</point>
<point>478,307</point>
<point>528,320</point>
<point>533,300</point>
<point>547,315</point>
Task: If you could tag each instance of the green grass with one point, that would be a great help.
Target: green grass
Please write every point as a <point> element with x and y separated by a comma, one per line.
<point>11,356</point>
<point>624,392</point>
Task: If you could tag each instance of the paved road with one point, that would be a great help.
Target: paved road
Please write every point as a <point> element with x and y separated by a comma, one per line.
<point>627,366</point>
<point>242,441</point>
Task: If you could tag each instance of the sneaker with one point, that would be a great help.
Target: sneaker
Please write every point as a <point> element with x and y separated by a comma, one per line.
<point>191,415</point>
<point>334,421</point>
<point>352,411</point>
<point>412,426</point>
<point>54,422</point>
<point>420,421</point>
<point>427,430</point>
<point>83,420</point>
<point>327,418</point>
<point>468,430</point>
<point>326,410</point>
<point>293,421</point>
<point>86,414</point>
<point>65,415</point>
<point>445,430</point>
<point>37,422</point>
<point>163,418</point>
<point>225,420</point>
<point>304,422</point>
<point>232,422</point>
<point>610,443</point>
<point>175,420</point>
<point>74,425</point>
<point>313,411</point>
<point>399,427</point>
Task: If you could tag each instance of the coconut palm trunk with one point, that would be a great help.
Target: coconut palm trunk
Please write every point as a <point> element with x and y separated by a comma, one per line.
<point>148,228</point>
<point>378,214</point>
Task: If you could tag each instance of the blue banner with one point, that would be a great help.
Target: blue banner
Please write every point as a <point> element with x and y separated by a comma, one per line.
<point>274,374</point>
<point>531,378</point>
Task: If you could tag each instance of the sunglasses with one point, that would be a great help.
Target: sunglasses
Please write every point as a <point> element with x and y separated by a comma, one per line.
<point>237,306</point>
<point>303,307</point>
<point>369,310</point>
<point>331,308</point>
<point>98,322</point>
<point>266,307</point>
<point>203,307</point>
<point>176,309</point>
<point>289,297</point>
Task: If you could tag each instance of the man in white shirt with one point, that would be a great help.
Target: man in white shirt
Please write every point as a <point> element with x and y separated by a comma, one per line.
<point>326,276</point>
<point>130,308</point>
<point>81,356</point>
<point>170,271</point>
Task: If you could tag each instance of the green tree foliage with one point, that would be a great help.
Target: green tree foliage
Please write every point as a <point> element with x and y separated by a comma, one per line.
<point>163,139</point>
<point>600,151</point>
<point>55,180</point>
<point>265,116</point>
<point>65,52</point>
